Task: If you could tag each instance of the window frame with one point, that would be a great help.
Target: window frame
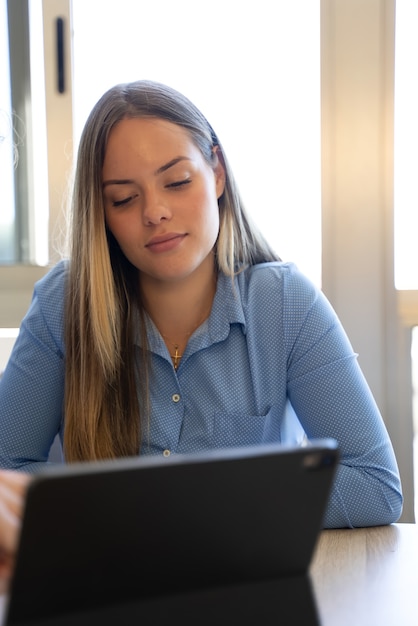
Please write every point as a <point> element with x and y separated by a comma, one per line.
<point>17,280</point>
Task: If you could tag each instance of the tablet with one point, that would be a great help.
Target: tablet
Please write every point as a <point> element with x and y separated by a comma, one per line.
<point>109,533</point>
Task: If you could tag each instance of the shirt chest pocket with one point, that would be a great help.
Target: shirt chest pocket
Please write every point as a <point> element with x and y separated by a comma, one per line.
<point>238,429</point>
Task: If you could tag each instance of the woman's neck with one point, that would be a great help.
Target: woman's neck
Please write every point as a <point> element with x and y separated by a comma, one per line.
<point>177,308</point>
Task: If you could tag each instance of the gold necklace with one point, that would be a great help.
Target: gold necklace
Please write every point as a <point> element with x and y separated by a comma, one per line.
<point>176,357</point>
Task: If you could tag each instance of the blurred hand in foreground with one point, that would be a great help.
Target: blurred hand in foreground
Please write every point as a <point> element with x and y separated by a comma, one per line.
<point>13,487</point>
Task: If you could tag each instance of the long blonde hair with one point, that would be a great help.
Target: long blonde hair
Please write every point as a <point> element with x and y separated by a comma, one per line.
<point>105,392</point>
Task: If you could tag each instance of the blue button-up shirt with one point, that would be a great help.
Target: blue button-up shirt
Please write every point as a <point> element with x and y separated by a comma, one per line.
<point>271,363</point>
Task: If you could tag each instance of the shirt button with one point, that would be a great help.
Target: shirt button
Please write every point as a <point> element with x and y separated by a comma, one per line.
<point>166,453</point>
<point>175,397</point>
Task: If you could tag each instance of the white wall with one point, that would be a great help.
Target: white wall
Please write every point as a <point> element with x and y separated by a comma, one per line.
<point>7,340</point>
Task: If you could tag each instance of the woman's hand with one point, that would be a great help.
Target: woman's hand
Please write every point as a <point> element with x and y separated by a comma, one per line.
<point>12,495</point>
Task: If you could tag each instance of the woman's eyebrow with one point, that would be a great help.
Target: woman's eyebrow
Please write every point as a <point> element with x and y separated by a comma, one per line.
<point>167,166</point>
<point>124,181</point>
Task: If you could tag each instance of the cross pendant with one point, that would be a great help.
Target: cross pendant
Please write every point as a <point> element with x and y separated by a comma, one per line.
<point>176,357</point>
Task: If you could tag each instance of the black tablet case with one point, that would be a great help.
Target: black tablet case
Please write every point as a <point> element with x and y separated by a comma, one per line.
<point>148,529</point>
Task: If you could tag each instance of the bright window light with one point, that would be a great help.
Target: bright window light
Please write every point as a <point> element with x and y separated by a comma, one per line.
<point>406,142</point>
<point>254,71</point>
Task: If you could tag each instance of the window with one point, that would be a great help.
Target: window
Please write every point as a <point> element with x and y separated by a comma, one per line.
<point>24,216</point>
<point>28,214</point>
<point>7,150</point>
<point>406,142</point>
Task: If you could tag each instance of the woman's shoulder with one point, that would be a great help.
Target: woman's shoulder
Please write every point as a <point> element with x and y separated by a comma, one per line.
<point>277,275</point>
<point>52,285</point>
<point>49,294</point>
<point>45,316</point>
<point>279,286</point>
<point>272,268</point>
<point>269,290</point>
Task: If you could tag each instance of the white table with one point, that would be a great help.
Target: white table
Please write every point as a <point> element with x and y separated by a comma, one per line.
<point>367,576</point>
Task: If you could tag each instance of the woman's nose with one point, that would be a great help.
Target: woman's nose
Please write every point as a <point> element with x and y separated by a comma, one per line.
<point>155,209</point>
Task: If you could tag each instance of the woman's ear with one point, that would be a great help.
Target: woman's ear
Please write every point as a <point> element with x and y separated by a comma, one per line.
<point>219,169</point>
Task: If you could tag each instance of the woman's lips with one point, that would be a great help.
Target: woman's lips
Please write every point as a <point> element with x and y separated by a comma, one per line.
<point>164,243</point>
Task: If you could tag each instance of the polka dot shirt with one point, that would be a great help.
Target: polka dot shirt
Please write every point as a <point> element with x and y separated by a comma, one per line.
<point>271,364</point>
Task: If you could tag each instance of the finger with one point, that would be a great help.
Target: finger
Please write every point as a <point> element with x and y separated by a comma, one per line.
<point>13,489</point>
<point>9,529</point>
<point>11,501</point>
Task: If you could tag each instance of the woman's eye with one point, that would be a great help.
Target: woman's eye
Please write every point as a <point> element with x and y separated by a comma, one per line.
<point>180,183</point>
<point>117,203</point>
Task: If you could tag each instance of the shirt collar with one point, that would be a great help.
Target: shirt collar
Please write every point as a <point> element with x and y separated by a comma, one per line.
<point>226,310</point>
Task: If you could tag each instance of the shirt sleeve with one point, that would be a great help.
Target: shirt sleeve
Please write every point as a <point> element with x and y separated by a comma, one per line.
<point>332,399</point>
<point>32,386</point>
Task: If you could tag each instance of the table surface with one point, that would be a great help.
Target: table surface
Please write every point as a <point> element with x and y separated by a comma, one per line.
<point>367,576</point>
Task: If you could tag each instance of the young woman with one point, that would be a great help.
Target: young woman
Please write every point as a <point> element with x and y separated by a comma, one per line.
<point>175,328</point>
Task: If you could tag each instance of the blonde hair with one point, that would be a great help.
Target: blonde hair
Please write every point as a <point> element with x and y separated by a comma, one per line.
<point>105,390</point>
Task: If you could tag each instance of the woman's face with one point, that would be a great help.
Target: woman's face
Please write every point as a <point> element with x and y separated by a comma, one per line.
<point>161,198</point>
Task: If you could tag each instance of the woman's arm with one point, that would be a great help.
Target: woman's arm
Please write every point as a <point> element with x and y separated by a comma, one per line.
<point>32,386</point>
<point>332,399</point>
